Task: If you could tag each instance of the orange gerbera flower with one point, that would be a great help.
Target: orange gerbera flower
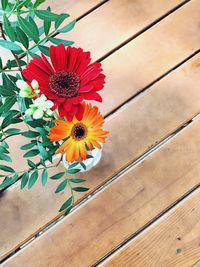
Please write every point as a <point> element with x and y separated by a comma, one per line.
<point>80,134</point>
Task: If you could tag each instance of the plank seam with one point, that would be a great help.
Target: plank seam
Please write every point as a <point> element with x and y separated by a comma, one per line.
<point>91,10</point>
<point>120,46</point>
<point>146,28</point>
<point>144,89</point>
<point>150,223</point>
<point>99,189</point>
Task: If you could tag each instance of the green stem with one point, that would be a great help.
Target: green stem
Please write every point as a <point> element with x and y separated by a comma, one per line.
<point>71,190</point>
<point>3,139</point>
<point>45,39</point>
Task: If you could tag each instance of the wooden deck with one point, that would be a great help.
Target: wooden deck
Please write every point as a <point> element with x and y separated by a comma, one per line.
<point>143,207</point>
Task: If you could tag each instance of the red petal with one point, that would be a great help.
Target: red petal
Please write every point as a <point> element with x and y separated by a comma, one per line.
<point>61,111</point>
<point>79,114</point>
<point>47,64</point>
<point>58,57</point>
<point>61,58</point>
<point>67,106</point>
<point>86,88</point>
<point>76,100</point>
<point>93,96</point>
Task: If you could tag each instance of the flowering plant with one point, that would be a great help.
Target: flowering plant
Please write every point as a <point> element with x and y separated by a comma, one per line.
<point>47,88</point>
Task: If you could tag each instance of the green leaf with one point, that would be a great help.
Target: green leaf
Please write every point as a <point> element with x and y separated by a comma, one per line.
<point>69,27</point>
<point>32,179</point>
<point>24,3</point>
<point>9,102</point>
<point>29,29</point>
<point>31,164</point>
<point>77,180</point>
<point>5,157</point>
<point>12,131</point>
<point>6,168</point>
<point>22,37</point>
<point>67,204</point>
<point>73,165</point>
<point>9,181</point>
<point>31,153</point>
<point>67,211</point>
<point>24,180</point>
<point>34,26</point>
<point>4,4</point>
<point>10,45</point>
<point>13,63</point>
<point>72,171</point>
<point>47,26</point>
<point>43,151</point>
<point>8,81</point>
<point>60,41</point>
<point>44,49</point>
<point>61,186</point>
<point>8,29</point>
<point>46,15</point>
<point>27,146</point>
<point>4,150</point>
<point>60,20</point>
<point>30,134</point>
<point>90,157</point>
<point>5,91</point>
<point>1,64</point>
<point>4,144</point>
<point>80,189</point>
<point>83,165</point>
<point>37,3</point>
<point>57,176</point>
<point>44,177</point>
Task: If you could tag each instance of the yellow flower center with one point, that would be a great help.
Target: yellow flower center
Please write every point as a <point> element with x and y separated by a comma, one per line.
<point>79,131</point>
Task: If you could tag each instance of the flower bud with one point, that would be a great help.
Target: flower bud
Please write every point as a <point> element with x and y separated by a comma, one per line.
<point>41,107</point>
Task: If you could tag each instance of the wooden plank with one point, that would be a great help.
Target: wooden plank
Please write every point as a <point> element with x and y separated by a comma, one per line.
<point>150,55</point>
<point>144,128</point>
<point>73,7</point>
<point>121,208</point>
<point>115,22</point>
<point>143,136</point>
<point>173,241</point>
<point>146,52</point>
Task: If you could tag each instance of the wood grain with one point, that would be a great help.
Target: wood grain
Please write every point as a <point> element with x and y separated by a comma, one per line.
<point>150,55</point>
<point>123,207</point>
<point>73,7</point>
<point>146,51</point>
<point>145,127</point>
<point>35,208</point>
<point>115,22</point>
<point>173,241</point>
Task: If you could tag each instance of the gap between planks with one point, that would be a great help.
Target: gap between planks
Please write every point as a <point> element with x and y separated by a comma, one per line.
<point>131,241</point>
<point>116,176</point>
<point>149,86</point>
<point>149,26</point>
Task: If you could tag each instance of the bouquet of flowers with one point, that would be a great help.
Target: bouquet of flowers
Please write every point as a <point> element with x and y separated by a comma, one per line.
<point>47,86</point>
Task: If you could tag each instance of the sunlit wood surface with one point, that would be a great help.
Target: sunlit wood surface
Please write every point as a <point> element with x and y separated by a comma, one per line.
<point>144,204</point>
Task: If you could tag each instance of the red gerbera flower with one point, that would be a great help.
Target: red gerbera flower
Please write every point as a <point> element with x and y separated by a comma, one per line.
<point>67,80</point>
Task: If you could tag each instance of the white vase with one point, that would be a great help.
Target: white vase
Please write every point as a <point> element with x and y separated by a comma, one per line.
<point>89,163</point>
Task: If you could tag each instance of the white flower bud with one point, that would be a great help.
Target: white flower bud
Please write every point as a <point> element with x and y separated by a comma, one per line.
<point>40,107</point>
<point>38,114</point>
<point>35,84</point>
<point>29,112</point>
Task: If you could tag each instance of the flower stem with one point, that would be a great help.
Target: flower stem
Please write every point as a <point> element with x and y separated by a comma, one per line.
<point>15,56</point>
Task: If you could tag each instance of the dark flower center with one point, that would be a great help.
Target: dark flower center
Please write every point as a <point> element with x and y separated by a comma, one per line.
<point>64,84</point>
<point>79,131</point>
